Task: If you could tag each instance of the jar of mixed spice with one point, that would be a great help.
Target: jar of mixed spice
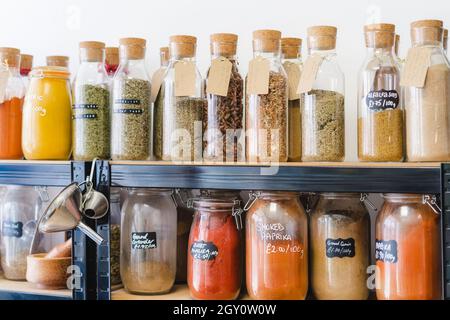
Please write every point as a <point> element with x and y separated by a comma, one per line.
<point>380,105</point>
<point>12,92</point>
<point>427,97</point>
<point>340,247</point>
<point>408,248</point>
<point>291,49</point>
<point>323,132</point>
<point>276,247</point>
<point>57,61</point>
<point>266,110</point>
<point>130,138</point>
<point>90,115</point>
<point>26,63</point>
<point>223,118</point>
<point>115,213</point>
<point>179,105</point>
<point>111,60</point>
<point>47,115</point>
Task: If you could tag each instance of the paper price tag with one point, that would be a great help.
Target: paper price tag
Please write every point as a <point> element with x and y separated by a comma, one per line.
<point>416,67</point>
<point>258,76</point>
<point>219,77</point>
<point>185,79</point>
<point>157,80</point>
<point>293,72</point>
<point>309,73</point>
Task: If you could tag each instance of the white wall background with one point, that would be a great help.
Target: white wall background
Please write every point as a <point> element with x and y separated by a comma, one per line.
<point>50,27</point>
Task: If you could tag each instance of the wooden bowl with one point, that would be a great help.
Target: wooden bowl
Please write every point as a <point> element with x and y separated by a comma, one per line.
<point>48,273</point>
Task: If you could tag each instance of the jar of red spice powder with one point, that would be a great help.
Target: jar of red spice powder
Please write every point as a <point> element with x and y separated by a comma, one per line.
<point>214,257</point>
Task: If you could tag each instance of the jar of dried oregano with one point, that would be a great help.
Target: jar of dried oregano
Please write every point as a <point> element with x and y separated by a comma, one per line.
<point>90,114</point>
<point>179,105</point>
<point>323,103</point>
<point>266,109</point>
<point>427,98</point>
<point>380,105</point>
<point>130,136</point>
<point>223,118</point>
<point>291,49</point>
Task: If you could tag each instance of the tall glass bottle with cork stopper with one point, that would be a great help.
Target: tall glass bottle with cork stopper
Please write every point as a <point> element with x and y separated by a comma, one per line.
<point>426,82</point>
<point>90,114</point>
<point>179,105</point>
<point>380,106</point>
<point>26,63</point>
<point>322,87</point>
<point>111,60</point>
<point>223,121</point>
<point>445,41</point>
<point>291,53</point>
<point>266,109</point>
<point>130,138</point>
<point>58,61</point>
<point>397,57</point>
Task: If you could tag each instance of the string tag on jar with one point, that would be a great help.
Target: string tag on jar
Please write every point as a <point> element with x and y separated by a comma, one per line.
<point>251,200</point>
<point>309,73</point>
<point>237,214</point>
<point>365,198</point>
<point>258,76</point>
<point>219,77</point>
<point>431,201</point>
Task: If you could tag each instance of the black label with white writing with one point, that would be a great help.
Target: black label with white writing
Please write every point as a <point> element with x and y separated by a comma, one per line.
<point>129,111</point>
<point>88,106</point>
<point>12,229</point>
<point>128,101</point>
<point>143,240</point>
<point>201,250</point>
<point>382,100</point>
<point>85,116</point>
<point>340,248</point>
<point>386,251</point>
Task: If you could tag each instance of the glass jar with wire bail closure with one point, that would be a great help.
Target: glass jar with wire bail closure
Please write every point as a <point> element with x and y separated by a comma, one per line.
<point>266,109</point>
<point>322,88</point>
<point>90,114</point>
<point>223,118</point>
<point>179,105</point>
<point>380,104</point>
<point>131,112</point>
<point>291,52</point>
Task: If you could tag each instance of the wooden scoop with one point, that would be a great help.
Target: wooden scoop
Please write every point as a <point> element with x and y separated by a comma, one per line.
<point>63,250</point>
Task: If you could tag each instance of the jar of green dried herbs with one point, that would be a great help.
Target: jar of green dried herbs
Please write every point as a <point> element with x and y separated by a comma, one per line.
<point>90,114</point>
<point>131,116</point>
<point>179,105</point>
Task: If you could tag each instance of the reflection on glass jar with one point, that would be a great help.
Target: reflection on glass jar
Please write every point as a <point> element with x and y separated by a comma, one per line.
<point>340,244</point>
<point>277,247</point>
<point>148,241</point>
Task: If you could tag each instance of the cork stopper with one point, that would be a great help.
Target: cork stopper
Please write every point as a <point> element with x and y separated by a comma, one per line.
<point>164,56</point>
<point>396,43</point>
<point>426,32</point>
<point>182,46</point>
<point>223,44</point>
<point>291,48</point>
<point>322,38</point>
<point>379,35</point>
<point>132,48</point>
<point>10,57</point>
<point>58,61</point>
<point>266,40</point>
<point>445,39</point>
<point>112,56</point>
<point>92,51</point>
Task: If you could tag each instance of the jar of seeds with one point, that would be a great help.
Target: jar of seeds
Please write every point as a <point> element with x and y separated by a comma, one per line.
<point>179,105</point>
<point>266,109</point>
<point>322,98</point>
<point>131,116</point>
<point>90,114</point>
<point>223,118</point>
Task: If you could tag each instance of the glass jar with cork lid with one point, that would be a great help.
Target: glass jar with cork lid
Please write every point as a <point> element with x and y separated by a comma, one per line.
<point>131,114</point>
<point>291,53</point>
<point>111,60</point>
<point>266,109</point>
<point>90,115</point>
<point>57,61</point>
<point>223,118</point>
<point>322,87</point>
<point>426,82</point>
<point>180,104</point>
<point>380,105</point>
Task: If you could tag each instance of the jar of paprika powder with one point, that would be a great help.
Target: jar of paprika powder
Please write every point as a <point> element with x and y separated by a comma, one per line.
<point>214,257</point>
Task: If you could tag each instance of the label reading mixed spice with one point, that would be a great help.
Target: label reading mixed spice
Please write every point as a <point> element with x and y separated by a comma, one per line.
<point>12,229</point>
<point>202,250</point>
<point>340,248</point>
<point>258,76</point>
<point>382,100</point>
<point>219,77</point>
<point>143,240</point>
<point>185,76</point>
<point>386,251</point>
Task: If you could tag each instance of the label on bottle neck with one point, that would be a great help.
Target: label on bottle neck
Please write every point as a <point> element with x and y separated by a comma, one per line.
<point>416,67</point>
<point>258,76</point>
<point>219,77</point>
<point>185,77</point>
<point>293,73</point>
<point>309,73</point>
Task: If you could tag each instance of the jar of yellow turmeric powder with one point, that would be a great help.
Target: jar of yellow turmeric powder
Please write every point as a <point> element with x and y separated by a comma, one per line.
<point>46,132</point>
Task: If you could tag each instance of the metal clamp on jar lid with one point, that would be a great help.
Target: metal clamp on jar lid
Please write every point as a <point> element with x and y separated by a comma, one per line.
<point>223,44</point>
<point>322,38</point>
<point>291,48</point>
<point>266,40</point>
<point>132,48</point>
<point>58,61</point>
<point>427,32</point>
<point>92,51</point>
<point>182,46</point>
<point>379,35</point>
<point>9,57</point>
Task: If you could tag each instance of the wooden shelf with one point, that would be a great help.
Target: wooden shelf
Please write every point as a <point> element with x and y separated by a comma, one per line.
<point>25,290</point>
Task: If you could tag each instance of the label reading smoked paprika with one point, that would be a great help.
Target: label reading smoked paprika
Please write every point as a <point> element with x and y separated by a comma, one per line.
<point>143,240</point>
<point>340,248</point>
<point>386,251</point>
<point>206,251</point>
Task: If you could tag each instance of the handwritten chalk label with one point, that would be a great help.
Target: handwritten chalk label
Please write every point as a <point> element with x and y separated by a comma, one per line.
<point>128,101</point>
<point>205,251</point>
<point>143,240</point>
<point>88,106</point>
<point>340,248</point>
<point>84,116</point>
<point>12,229</point>
<point>129,111</point>
<point>386,251</point>
<point>382,100</point>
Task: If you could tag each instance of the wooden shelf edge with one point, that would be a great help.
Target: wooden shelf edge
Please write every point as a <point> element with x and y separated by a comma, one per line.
<point>24,287</point>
